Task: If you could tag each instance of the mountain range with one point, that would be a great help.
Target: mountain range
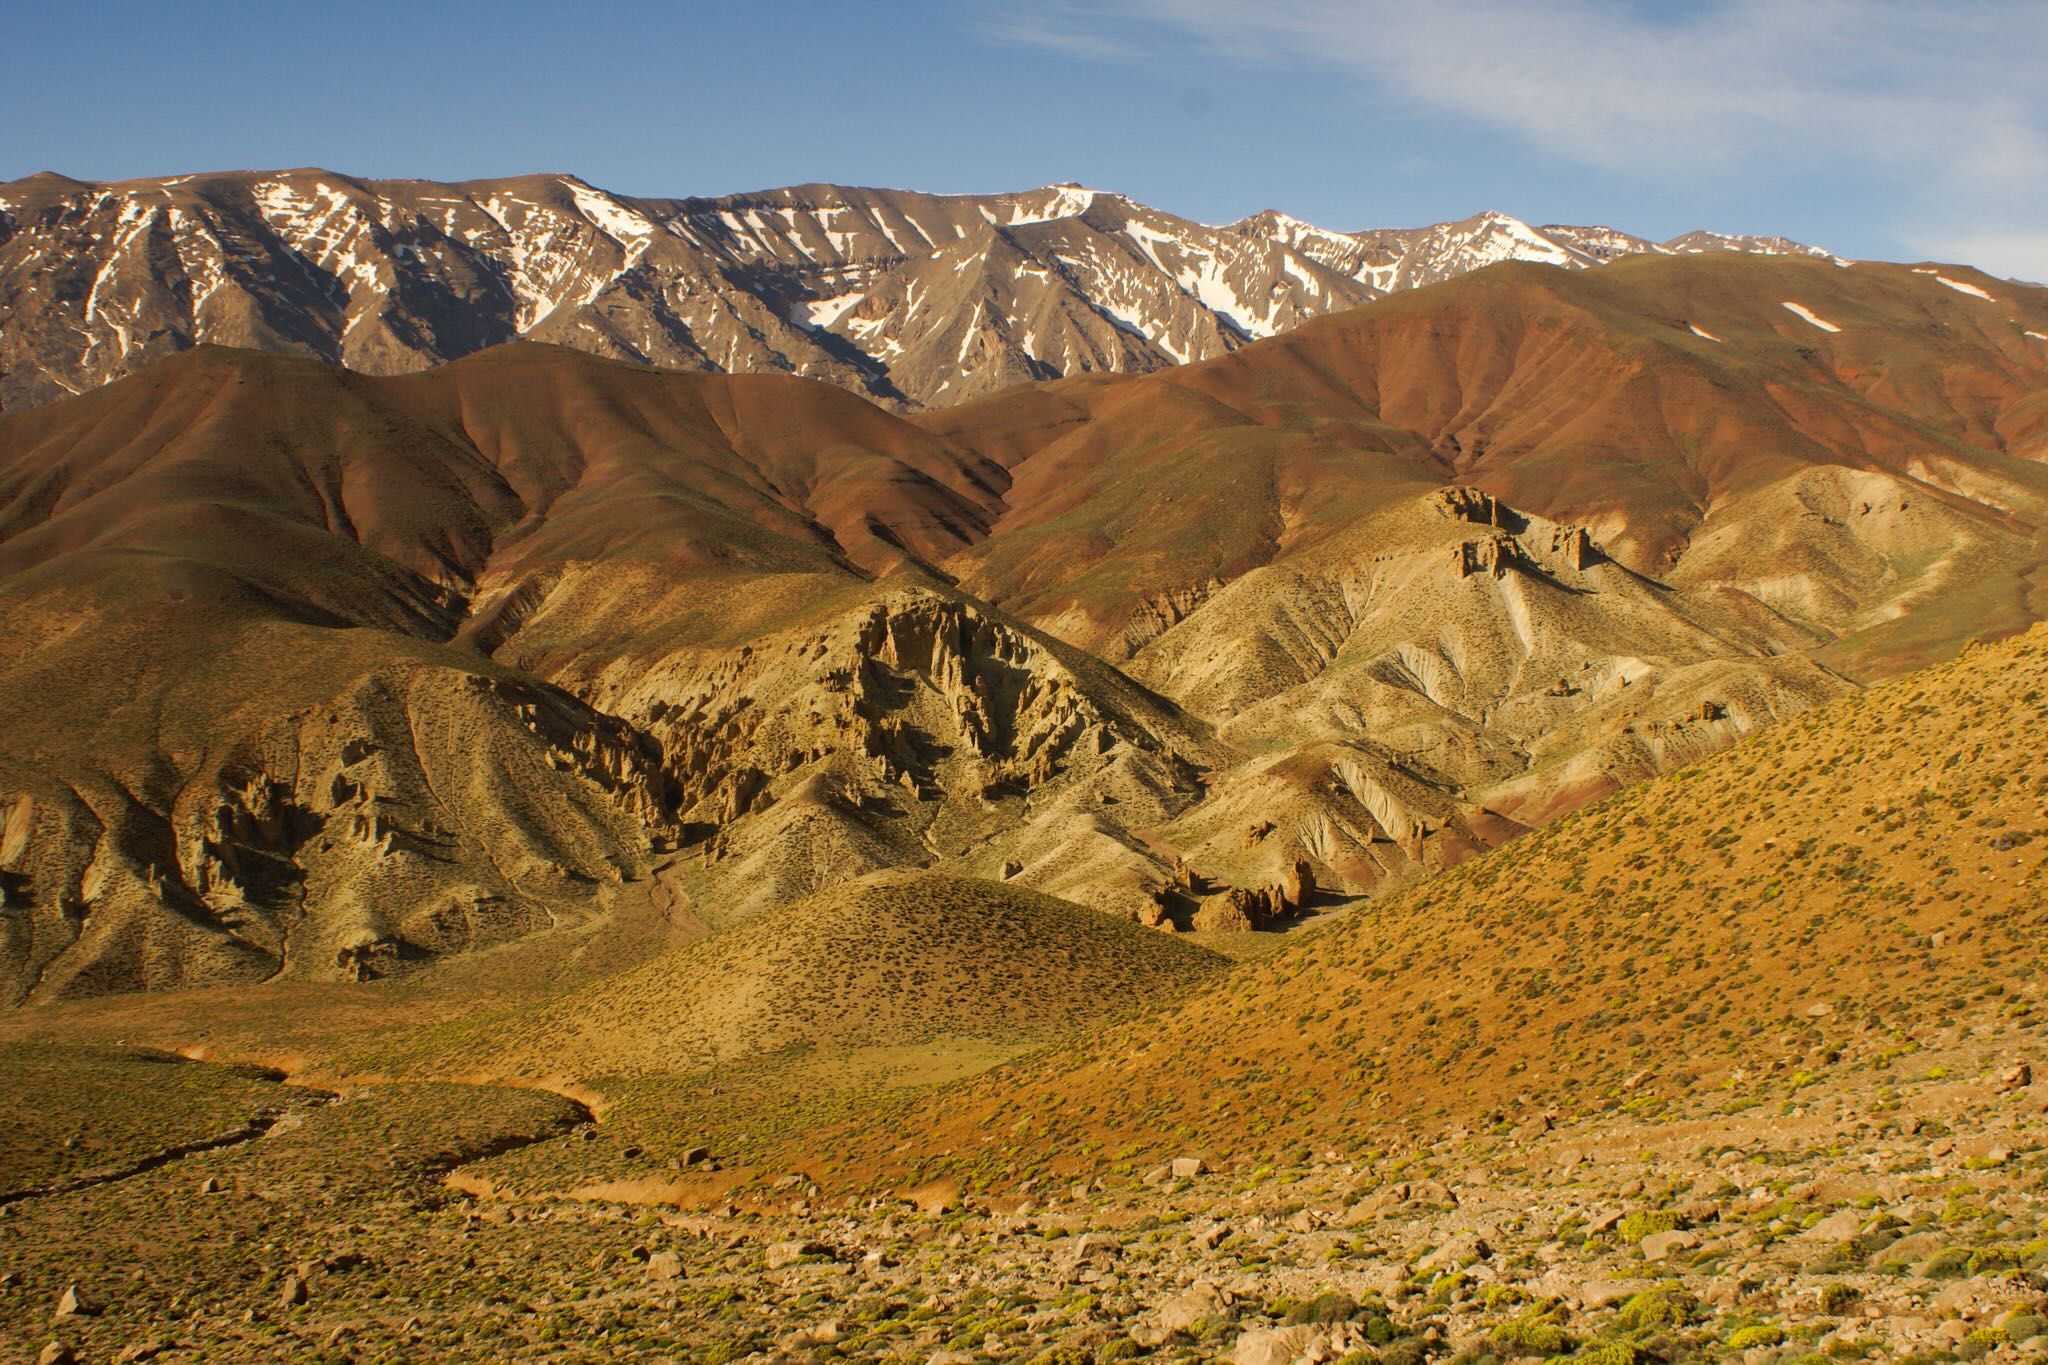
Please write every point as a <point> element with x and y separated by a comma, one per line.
<point>322,675</point>
<point>916,300</point>
<point>845,775</point>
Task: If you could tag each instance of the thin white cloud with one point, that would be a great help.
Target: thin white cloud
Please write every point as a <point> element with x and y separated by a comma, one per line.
<point>1061,29</point>
<point>1943,101</point>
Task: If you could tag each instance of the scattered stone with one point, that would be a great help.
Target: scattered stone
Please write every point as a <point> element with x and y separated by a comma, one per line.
<point>1188,1167</point>
<point>1458,1251</point>
<point>665,1265</point>
<point>1838,1226</point>
<point>76,1303</point>
<point>1659,1246</point>
<point>294,1292</point>
<point>1202,1302</point>
<point>56,1353</point>
<point>210,1185</point>
<point>1272,1346</point>
<point>1095,1246</point>
<point>1597,1294</point>
<point>935,1197</point>
<point>784,1254</point>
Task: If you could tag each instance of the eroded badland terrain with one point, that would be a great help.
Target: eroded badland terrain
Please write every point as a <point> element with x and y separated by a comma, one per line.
<point>1503,823</point>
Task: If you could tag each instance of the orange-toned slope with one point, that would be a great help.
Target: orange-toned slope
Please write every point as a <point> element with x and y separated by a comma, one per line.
<point>437,472</point>
<point>1585,396</point>
<point>1875,865</point>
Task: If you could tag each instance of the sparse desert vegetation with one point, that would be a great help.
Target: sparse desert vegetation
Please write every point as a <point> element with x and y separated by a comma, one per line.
<point>1338,854</point>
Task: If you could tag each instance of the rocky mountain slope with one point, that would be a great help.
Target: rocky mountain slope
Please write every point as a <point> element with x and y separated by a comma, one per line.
<point>1868,873</point>
<point>913,299</point>
<point>329,676</point>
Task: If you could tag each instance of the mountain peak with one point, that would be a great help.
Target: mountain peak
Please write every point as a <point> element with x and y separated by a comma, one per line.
<point>912,299</point>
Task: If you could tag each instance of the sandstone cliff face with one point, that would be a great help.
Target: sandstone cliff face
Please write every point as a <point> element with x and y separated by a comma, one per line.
<point>916,729</point>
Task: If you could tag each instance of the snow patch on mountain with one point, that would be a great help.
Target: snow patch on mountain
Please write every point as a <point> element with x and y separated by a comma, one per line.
<point>1964,287</point>
<point>1801,310</point>
<point>608,214</point>
<point>956,295</point>
<point>821,314</point>
<point>1062,201</point>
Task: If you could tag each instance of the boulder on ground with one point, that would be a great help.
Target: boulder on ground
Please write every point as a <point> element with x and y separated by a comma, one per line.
<point>1659,1246</point>
<point>1226,912</point>
<point>784,1254</point>
<point>76,1303</point>
<point>1298,888</point>
<point>1272,1345</point>
<point>1202,1302</point>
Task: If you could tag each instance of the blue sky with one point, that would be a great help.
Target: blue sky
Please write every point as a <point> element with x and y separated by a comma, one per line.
<point>1875,127</point>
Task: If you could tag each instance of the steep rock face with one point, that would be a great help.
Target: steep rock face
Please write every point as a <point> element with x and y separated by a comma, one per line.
<point>917,728</point>
<point>912,299</point>
<point>422,812</point>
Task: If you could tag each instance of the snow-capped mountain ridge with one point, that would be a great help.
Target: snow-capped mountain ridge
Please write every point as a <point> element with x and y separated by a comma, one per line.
<point>915,299</point>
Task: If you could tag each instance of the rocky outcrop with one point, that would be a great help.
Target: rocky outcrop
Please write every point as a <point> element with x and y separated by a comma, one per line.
<point>1462,503</point>
<point>918,692</point>
<point>1493,556</point>
<point>425,812</point>
<point>1188,900</point>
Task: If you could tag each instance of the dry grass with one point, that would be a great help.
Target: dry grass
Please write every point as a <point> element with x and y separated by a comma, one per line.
<point>1847,881</point>
<point>68,1111</point>
<point>890,962</point>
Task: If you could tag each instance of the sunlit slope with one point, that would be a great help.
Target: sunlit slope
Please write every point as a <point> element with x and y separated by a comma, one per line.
<point>1664,403</point>
<point>1872,867</point>
<point>889,961</point>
